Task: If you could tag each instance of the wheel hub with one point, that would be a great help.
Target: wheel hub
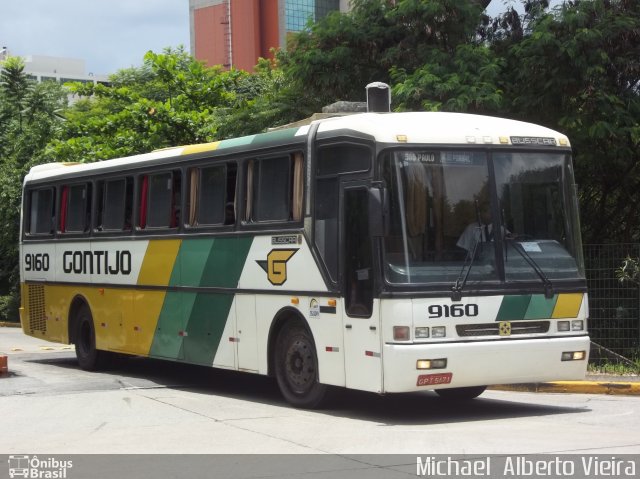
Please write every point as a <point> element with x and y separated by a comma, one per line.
<point>300,371</point>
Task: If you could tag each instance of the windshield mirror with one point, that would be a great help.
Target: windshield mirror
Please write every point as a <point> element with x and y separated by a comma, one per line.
<point>439,208</point>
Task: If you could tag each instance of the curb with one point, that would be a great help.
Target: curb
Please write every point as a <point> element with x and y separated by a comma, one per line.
<point>576,387</point>
<point>6,324</point>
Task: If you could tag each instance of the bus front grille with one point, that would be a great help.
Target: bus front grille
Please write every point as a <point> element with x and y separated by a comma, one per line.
<point>493,329</point>
<point>37,318</point>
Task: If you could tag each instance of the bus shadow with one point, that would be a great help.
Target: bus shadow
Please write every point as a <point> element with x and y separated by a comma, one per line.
<point>428,408</point>
<point>418,408</point>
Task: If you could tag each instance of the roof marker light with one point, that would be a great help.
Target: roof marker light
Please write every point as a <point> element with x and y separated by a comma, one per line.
<point>504,140</point>
<point>401,138</point>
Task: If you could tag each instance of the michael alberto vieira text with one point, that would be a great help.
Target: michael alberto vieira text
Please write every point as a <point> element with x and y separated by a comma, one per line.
<point>517,466</point>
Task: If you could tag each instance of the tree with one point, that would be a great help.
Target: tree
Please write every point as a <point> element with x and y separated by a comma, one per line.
<point>29,118</point>
<point>578,70</point>
<point>430,51</point>
<point>170,100</point>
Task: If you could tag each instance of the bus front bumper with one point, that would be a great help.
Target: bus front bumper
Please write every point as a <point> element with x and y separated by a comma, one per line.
<point>483,363</point>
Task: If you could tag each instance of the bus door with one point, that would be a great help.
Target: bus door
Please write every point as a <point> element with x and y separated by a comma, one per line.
<point>361,320</point>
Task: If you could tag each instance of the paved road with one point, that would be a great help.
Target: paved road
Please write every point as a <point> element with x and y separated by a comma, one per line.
<point>147,406</point>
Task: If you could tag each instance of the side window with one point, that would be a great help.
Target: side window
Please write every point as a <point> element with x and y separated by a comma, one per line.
<point>75,208</point>
<point>212,195</point>
<point>42,211</point>
<point>115,204</point>
<point>160,200</point>
<point>333,161</point>
<point>274,189</point>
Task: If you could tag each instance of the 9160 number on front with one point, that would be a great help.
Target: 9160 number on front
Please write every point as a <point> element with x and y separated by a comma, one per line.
<point>453,311</point>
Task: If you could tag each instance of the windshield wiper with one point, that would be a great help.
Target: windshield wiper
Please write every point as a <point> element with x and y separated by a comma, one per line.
<point>548,285</point>
<point>456,291</point>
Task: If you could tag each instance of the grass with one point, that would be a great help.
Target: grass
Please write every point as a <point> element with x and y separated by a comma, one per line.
<point>632,368</point>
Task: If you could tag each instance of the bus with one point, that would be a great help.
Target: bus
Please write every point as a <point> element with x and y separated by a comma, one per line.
<point>383,252</point>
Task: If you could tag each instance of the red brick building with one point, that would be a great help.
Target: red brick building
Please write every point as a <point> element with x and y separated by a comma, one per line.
<point>237,32</point>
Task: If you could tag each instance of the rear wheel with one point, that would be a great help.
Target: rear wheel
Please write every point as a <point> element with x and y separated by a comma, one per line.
<point>296,367</point>
<point>89,358</point>
<point>461,394</point>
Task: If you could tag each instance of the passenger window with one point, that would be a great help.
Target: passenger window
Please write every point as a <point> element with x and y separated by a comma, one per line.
<point>160,200</point>
<point>75,208</point>
<point>42,211</point>
<point>212,195</point>
<point>115,204</point>
<point>275,189</point>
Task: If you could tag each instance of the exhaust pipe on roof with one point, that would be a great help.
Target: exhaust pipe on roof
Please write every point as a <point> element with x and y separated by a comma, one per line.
<point>378,97</point>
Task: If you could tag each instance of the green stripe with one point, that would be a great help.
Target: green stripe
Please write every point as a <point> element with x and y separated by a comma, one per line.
<point>540,307</point>
<point>261,139</point>
<point>513,308</point>
<point>210,310</point>
<point>526,307</point>
<point>200,262</point>
<point>242,141</point>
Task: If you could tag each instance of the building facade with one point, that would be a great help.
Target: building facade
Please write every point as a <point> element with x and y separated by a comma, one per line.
<point>59,69</point>
<point>235,33</point>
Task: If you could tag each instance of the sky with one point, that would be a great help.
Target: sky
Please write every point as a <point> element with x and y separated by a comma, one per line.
<point>107,34</point>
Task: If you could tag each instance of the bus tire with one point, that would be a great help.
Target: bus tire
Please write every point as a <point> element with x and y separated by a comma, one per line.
<point>461,394</point>
<point>296,367</point>
<point>89,358</point>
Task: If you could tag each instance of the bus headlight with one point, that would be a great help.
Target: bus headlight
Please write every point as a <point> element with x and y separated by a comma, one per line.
<point>440,363</point>
<point>563,326</point>
<point>439,332</point>
<point>577,325</point>
<point>422,333</point>
<point>574,355</point>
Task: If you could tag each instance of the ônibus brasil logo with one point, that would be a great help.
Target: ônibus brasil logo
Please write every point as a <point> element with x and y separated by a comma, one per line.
<point>35,468</point>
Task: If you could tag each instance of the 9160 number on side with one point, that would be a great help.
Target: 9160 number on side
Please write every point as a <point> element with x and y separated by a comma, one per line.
<point>36,262</point>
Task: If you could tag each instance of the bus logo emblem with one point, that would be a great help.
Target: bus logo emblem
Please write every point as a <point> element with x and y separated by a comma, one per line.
<point>505,328</point>
<point>276,265</point>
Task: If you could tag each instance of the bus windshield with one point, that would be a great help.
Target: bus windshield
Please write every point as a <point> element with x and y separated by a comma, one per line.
<point>442,220</point>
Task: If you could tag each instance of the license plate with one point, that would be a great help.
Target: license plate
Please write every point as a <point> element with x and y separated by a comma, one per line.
<point>433,379</point>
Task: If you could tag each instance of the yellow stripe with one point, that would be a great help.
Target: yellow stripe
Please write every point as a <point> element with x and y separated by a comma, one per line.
<point>189,149</point>
<point>568,306</point>
<point>158,262</point>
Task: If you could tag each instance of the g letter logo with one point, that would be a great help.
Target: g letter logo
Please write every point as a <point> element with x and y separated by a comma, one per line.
<point>276,265</point>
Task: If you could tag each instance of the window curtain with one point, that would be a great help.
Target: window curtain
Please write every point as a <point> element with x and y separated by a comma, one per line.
<point>298,186</point>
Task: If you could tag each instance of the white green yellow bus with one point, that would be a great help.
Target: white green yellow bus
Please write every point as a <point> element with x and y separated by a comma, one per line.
<point>384,252</point>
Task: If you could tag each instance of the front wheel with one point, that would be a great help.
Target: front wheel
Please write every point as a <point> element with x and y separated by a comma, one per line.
<point>461,394</point>
<point>296,367</point>
<point>89,358</point>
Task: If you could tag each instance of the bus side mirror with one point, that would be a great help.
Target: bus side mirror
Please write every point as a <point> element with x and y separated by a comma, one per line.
<point>377,211</point>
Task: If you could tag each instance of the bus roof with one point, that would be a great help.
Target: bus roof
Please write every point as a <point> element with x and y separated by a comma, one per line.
<point>411,127</point>
<point>439,128</point>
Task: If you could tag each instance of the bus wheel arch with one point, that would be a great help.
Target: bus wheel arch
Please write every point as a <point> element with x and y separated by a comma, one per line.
<point>293,360</point>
